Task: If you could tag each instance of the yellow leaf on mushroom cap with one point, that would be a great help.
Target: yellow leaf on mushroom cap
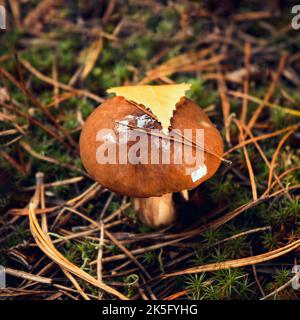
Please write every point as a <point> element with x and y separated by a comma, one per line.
<point>160,99</point>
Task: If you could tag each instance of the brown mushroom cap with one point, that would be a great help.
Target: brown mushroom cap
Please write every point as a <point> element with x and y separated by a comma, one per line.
<point>146,180</point>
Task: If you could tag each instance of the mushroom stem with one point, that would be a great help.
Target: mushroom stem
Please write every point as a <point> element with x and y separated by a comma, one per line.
<point>158,211</point>
<point>155,211</point>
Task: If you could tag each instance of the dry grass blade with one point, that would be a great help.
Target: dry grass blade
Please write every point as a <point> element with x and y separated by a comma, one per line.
<point>264,157</point>
<point>28,148</point>
<point>128,253</point>
<point>284,174</point>
<point>34,121</point>
<point>239,262</point>
<point>225,105</point>
<point>270,91</point>
<point>76,284</point>
<point>100,255</point>
<point>91,57</point>
<point>16,292</point>
<point>48,248</point>
<point>40,193</point>
<point>255,15</point>
<point>57,183</point>
<point>13,162</point>
<point>15,8</point>
<point>241,95</point>
<point>262,137</point>
<point>288,283</point>
<point>25,211</point>
<point>248,162</point>
<point>177,295</point>
<point>41,10</point>
<point>272,166</point>
<point>63,86</point>
<point>228,216</point>
<point>246,82</point>
<point>117,212</point>
<point>109,11</point>
<point>187,62</point>
<point>178,237</point>
<point>40,106</point>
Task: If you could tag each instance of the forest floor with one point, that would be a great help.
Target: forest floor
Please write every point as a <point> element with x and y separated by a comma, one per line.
<point>56,62</point>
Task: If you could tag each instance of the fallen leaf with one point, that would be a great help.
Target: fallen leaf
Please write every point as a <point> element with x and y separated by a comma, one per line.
<point>160,99</point>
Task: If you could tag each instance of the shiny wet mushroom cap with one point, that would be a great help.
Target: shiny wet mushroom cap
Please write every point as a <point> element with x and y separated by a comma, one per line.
<point>117,118</point>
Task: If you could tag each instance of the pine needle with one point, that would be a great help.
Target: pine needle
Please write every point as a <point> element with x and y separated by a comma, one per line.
<point>48,248</point>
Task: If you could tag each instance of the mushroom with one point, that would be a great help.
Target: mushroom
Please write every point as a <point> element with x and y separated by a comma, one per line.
<point>150,184</point>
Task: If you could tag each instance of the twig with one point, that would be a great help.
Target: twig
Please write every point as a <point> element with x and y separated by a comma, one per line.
<point>27,276</point>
